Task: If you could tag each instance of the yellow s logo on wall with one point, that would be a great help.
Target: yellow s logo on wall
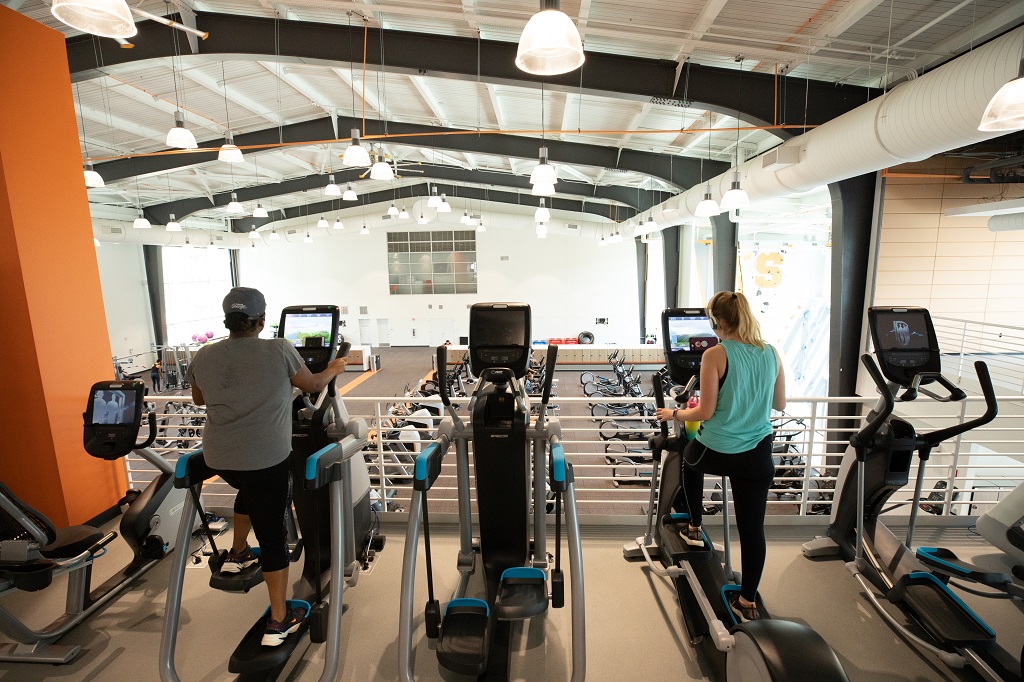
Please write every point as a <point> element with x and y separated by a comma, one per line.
<point>769,271</point>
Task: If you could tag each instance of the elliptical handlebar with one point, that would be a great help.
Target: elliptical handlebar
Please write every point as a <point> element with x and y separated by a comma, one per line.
<point>442,370</point>
<point>659,399</point>
<point>862,438</point>
<point>549,372</point>
<point>152,433</point>
<point>991,409</point>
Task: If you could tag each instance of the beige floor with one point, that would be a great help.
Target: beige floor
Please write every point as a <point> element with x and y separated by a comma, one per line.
<point>633,625</point>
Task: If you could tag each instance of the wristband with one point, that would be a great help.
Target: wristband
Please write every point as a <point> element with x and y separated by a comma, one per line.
<point>674,415</point>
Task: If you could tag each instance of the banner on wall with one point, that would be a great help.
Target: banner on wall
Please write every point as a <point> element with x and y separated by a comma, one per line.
<point>788,285</point>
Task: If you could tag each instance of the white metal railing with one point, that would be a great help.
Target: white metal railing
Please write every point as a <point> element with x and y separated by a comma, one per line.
<point>613,466</point>
<point>1000,346</point>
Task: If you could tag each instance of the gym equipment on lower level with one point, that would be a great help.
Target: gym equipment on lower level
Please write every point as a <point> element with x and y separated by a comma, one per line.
<point>919,581</point>
<point>33,551</point>
<point>331,497</point>
<point>476,635</point>
<point>763,649</point>
<point>1003,526</point>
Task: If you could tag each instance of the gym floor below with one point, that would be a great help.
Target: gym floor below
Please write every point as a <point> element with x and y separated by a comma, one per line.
<point>634,628</point>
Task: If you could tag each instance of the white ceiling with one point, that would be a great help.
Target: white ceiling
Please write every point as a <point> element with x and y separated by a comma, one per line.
<point>861,42</point>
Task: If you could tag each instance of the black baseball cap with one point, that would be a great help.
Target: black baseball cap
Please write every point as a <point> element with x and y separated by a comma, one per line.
<point>245,300</point>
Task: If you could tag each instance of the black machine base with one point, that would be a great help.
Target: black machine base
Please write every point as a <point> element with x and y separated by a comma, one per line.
<point>463,641</point>
<point>522,594</point>
<point>939,611</point>
<point>251,657</point>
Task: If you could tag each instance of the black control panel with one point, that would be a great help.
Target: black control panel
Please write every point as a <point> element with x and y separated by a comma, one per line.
<point>905,344</point>
<point>687,333</point>
<point>313,330</point>
<point>499,336</point>
<point>113,417</point>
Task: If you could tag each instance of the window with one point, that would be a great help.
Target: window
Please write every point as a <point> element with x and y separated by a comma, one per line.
<point>195,283</point>
<point>442,262</point>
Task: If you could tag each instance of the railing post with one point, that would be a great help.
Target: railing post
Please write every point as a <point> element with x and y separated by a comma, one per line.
<point>947,504</point>
<point>963,343</point>
<point>380,457</point>
<point>806,490</point>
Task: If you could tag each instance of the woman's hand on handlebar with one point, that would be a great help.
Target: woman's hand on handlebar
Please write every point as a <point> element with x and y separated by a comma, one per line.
<point>664,414</point>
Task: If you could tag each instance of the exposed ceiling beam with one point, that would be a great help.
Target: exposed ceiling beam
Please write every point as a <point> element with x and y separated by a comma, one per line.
<point>499,116</point>
<point>216,86</point>
<point>708,13</point>
<point>619,194</point>
<point>361,93</point>
<point>428,97</point>
<point>123,125</point>
<point>583,18</point>
<point>841,21</point>
<point>488,61</point>
<point>682,172</point>
<point>567,114</point>
<point>137,94</point>
<point>299,85</point>
<point>985,28</point>
<point>635,122</point>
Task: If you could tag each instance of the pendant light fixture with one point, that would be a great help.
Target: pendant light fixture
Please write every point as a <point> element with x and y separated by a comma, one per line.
<point>444,206</point>
<point>95,241</point>
<point>650,225</point>
<point>544,172</point>
<point>260,212</point>
<point>332,189</point>
<point>308,239</point>
<point>179,136</point>
<point>550,43</point>
<point>1005,111</point>
<point>322,223</point>
<point>602,241</point>
<point>92,178</point>
<point>736,197</point>
<point>543,189</point>
<point>104,18</point>
<point>188,244</point>
<point>234,206</point>
<point>434,201</point>
<point>465,218</point>
<point>422,220</point>
<point>350,194</point>
<point>381,169</point>
<point>364,230</point>
<point>253,234</point>
<point>275,237</point>
<point>481,227</point>
<point>393,210</point>
<point>141,223</point>
<point>403,214</point>
<point>229,153</point>
<point>708,207</point>
<point>542,231</point>
<point>172,225</point>
<point>542,214</point>
<point>338,225</point>
<point>356,154</point>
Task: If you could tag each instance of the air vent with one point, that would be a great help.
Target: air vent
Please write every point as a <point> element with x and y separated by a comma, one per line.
<point>504,258</point>
<point>430,306</point>
<point>116,230</point>
<point>601,320</point>
<point>385,217</point>
<point>343,309</point>
<point>570,226</point>
<point>363,310</point>
<point>667,102</point>
<point>291,231</point>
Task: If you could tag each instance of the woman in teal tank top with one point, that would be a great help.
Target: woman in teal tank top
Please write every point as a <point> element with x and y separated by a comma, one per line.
<point>741,381</point>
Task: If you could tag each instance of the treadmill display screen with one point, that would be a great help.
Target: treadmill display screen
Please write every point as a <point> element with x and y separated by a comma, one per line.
<point>902,330</point>
<point>113,407</point>
<point>502,327</point>
<point>308,330</point>
<point>690,334</point>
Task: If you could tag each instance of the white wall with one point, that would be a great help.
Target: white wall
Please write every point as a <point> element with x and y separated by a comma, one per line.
<point>568,280</point>
<point>126,302</point>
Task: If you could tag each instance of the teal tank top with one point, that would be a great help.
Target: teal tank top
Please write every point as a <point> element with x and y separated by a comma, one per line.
<point>741,417</point>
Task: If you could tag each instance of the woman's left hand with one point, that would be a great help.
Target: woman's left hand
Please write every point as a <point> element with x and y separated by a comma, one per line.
<point>664,414</point>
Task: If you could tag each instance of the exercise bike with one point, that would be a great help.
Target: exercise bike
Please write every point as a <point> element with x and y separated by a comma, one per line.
<point>917,581</point>
<point>331,496</point>
<point>476,636</point>
<point>33,551</point>
<point>763,649</point>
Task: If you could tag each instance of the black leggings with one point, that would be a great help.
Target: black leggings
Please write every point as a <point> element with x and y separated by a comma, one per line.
<point>263,497</point>
<point>750,476</point>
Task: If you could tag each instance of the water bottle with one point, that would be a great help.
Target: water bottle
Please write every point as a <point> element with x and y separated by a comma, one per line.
<point>691,428</point>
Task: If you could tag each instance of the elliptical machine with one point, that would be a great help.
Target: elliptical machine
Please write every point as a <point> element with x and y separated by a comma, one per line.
<point>764,649</point>
<point>33,551</point>
<point>474,636</point>
<point>917,581</point>
<point>331,498</point>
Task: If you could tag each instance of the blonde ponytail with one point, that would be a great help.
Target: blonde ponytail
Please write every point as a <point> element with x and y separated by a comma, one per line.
<point>731,311</point>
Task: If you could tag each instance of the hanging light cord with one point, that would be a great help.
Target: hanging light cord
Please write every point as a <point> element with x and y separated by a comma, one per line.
<point>224,86</point>
<point>366,33</point>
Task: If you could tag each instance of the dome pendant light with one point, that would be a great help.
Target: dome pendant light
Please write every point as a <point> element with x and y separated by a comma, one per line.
<point>550,43</point>
<point>275,237</point>
<point>542,231</point>
<point>543,189</point>
<point>350,194</point>
<point>253,234</point>
<point>364,230</point>
<point>544,173</point>
<point>234,206</point>
<point>172,225</point>
<point>381,170</point>
<point>708,207</point>
<point>260,212</point>
<point>332,189</point>
<point>338,225</point>
<point>179,136</point>
<point>356,154</point>
<point>736,197</point>
<point>92,178</point>
<point>229,153</point>
<point>481,227</point>
<point>465,218</point>
<point>434,201</point>
<point>542,214</point>
<point>1005,111</point>
<point>422,220</point>
<point>444,206</point>
<point>403,215</point>
<point>393,210</point>
<point>308,239</point>
<point>141,223</point>
<point>321,223</point>
<point>104,18</point>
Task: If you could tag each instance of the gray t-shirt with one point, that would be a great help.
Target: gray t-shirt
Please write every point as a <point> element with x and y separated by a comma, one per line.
<point>247,386</point>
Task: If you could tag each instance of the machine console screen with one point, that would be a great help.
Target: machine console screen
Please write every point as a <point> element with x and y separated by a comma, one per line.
<point>114,407</point>
<point>691,334</point>
<point>308,330</point>
<point>902,330</point>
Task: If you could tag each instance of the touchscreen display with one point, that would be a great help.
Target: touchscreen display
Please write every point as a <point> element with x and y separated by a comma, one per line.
<point>113,406</point>
<point>906,330</point>
<point>690,334</point>
<point>502,327</point>
<point>308,330</point>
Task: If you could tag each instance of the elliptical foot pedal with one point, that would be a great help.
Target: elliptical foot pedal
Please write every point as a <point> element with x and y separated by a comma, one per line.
<point>242,581</point>
<point>522,594</point>
<point>671,527</point>
<point>462,644</point>
<point>940,612</point>
<point>250,656</point>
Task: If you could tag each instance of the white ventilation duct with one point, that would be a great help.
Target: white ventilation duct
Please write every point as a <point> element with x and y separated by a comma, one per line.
<point>914,121</point>
<point>1006,221</point>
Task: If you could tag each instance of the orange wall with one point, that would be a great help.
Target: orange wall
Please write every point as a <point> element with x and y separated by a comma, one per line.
<point>54,344</point>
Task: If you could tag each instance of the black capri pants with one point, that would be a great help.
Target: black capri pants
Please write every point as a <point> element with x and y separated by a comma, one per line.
<point>750,477</point>
<point>263,496</point>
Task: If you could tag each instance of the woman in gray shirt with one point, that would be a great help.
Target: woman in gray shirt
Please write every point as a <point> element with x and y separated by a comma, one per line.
<point>246,384</point>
